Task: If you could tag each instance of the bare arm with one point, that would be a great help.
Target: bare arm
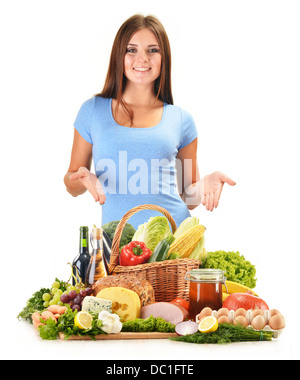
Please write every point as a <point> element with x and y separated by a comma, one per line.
<point>78,178</point>
<point>188,175</point>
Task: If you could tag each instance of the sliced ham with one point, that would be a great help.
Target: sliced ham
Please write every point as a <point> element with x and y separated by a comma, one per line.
<point>168,311</point>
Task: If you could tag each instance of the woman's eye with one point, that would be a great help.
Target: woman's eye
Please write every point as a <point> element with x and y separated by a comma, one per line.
<point>131,50</point>
<point>154,50</point>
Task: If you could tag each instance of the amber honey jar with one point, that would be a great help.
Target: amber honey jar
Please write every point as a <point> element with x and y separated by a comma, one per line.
<point>205,290</point>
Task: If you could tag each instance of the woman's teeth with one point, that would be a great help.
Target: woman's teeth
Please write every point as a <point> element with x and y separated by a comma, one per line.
<point>142,68</point>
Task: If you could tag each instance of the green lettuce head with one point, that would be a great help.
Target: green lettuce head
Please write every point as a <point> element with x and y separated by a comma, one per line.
<point>152,232</point>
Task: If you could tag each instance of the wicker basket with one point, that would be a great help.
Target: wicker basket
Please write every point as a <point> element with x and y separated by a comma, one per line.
<point>166,277</point>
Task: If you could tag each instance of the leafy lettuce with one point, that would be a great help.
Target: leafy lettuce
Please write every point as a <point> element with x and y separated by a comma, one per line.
<point>152,232</point>
<point>149,324</point>
<point>235,266</point>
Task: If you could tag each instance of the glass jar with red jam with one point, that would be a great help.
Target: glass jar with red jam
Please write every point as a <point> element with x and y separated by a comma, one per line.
<point>205,290</point>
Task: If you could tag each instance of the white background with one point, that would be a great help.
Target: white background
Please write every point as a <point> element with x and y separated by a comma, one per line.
<point>235,69</point>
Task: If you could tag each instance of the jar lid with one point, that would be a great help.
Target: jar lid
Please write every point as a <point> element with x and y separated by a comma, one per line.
<point>207,275</point>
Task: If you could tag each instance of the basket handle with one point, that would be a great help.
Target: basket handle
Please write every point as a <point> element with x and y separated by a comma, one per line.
<point>114,258</point>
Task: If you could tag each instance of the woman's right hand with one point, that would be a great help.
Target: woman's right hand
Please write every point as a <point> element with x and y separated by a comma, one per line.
<point>90,182</point>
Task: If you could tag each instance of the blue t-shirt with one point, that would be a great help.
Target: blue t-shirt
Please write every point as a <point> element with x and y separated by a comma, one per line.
<point>136,166</point>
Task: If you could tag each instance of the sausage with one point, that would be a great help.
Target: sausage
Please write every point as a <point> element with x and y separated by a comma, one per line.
<point>166,310</point>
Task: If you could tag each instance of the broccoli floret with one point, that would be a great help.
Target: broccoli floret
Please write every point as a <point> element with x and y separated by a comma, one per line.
<point>127,233</point>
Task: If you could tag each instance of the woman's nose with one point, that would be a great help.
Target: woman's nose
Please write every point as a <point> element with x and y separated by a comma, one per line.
<point>142,56</point>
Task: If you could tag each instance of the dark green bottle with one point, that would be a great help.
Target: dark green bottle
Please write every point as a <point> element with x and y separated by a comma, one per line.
<point>81,261</point>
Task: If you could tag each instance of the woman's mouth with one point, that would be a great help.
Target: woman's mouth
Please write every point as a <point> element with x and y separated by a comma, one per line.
<point>142,69</point>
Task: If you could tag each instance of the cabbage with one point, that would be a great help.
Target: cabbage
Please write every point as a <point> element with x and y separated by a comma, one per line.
<point>188,223</point>
<point>152,232</point>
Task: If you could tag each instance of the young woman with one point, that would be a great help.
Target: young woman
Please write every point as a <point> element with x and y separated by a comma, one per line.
<point>144,148</point>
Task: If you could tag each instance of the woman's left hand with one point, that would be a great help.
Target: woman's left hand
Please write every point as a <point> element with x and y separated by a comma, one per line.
<point>211,189</point>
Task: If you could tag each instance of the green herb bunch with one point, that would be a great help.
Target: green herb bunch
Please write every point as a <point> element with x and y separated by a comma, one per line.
<point>149,324</point>
<point>35,303</point>
<point>226,333</point>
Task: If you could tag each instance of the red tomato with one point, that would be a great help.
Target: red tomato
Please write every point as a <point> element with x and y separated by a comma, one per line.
<point>182,302</point>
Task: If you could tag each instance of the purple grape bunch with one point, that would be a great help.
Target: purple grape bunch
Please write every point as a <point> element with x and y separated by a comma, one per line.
<point>75,299</point>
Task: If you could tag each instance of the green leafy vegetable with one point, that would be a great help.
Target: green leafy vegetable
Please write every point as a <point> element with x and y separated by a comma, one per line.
<point>152,232</point>
<point>235,266</point>
<point>65,325</point>
<point>149,324</point>
<point>35,303</point>
<point>49,330</point>
<point>226,333</point>
<point>127,233</point>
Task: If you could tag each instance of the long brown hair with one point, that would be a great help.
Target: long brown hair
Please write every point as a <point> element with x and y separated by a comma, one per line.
<point>115,79</point>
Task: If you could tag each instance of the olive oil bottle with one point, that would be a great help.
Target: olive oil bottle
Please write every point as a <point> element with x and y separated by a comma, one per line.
<point>82,260</point>
<point>96,268</point>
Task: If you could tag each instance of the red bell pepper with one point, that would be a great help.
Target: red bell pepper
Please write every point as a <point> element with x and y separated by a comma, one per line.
<point>134,253</point>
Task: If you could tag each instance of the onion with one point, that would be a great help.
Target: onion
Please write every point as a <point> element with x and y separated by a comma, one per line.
<point>186,328</point>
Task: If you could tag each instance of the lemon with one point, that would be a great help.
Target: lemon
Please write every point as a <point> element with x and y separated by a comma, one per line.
<point>208,324</point>
<point>83,320</point>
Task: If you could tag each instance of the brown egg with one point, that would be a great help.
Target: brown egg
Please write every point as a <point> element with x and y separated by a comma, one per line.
<point>241,320</point>
<point>206,312</point>
<point>258,322</point>
<point>223,319</point>
<point>256,312</point>
<point>277,322</point>
<point>240,311</point>
<point>274,312</point>
<point>223,311</point>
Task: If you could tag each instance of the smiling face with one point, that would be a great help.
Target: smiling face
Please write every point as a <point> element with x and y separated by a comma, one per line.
<point>142,62</point>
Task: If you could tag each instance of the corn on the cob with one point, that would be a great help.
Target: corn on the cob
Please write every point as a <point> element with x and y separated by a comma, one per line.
<point>199,253</point>
<point>187,242</point>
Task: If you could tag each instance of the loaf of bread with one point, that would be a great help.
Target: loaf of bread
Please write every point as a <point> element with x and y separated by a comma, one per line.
<point>142,287</point>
